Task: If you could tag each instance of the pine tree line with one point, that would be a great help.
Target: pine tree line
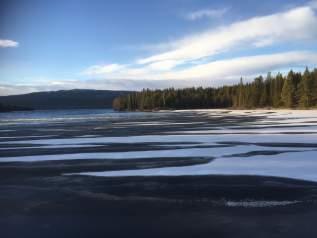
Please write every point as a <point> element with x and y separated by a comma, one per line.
<point>295,90</point>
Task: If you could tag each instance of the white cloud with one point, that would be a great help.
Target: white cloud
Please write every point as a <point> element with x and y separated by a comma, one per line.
<point>103,69</point>
<point>245,66</point>
<point>6,89</point>
<point>293,25</point>
<point>264,42</point>
<point>8,43</point>
<point>218,70</point>
<point>206,13</point>
<point>163,65</point>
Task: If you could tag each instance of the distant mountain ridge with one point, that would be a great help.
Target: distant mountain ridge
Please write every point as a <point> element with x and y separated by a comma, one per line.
<point>64,99</point>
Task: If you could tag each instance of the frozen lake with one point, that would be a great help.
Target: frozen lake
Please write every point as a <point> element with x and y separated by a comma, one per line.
<point>243,142</point>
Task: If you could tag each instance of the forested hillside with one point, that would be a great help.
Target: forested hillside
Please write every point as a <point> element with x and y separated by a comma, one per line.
<point>64,99</point>
<point>294,90</point>
<point>10,108</point>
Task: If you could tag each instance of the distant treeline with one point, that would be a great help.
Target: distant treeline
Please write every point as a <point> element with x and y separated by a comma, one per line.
<point>64,99</point>
<point>295,90</point>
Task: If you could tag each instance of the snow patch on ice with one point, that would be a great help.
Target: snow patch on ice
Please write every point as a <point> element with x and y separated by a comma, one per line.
<point>297,165</point>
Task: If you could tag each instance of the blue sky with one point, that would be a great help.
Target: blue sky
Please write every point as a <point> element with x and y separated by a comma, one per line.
<point>117,44</point>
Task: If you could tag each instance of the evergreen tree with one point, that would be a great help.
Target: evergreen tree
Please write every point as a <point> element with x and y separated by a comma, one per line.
<point>305,90</point>
<point>278,84</point>
<point>241,94</point>
<point>288,93</point>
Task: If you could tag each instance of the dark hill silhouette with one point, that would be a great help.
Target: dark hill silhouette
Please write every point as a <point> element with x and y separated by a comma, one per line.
<point>64,99</point>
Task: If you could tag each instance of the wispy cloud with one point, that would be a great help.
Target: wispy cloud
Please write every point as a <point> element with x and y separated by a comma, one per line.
<point>8,43</point>
<point>245,66</point>
<point>103,69</point>
<point>206,13</point>
<point>220,69</point>
<point>191,57</point>
<point>293,25</point>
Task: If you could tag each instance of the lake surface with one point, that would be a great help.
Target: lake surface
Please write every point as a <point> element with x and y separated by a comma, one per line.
<point>199,173</point>
<point>265,143</point>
